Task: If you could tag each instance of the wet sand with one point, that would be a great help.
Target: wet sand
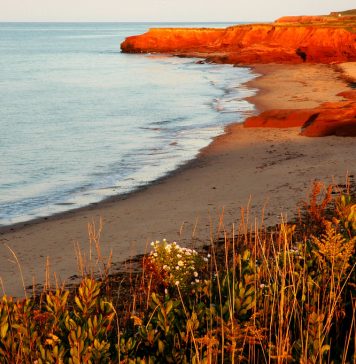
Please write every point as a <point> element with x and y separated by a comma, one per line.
<point>271,168</point>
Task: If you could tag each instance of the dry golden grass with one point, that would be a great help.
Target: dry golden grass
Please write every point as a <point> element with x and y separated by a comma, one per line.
<point>257,295</point>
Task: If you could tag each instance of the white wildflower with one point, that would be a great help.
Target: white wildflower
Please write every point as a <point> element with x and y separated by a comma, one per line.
<point>196,274</point>
<point>208,255</point>
<point>180,263</point>
<point>177,283</point>
<point>197,281</point>
<point>177,267</point>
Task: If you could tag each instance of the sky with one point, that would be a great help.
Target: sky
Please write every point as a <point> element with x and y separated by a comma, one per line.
<point>163,10</point>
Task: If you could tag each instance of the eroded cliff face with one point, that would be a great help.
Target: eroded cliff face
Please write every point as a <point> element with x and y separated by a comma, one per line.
<point>330,118</point>
<point>320,39</point>
<point>291,43</point>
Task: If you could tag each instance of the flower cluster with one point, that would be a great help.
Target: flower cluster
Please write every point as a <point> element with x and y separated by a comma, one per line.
<point>176,265</point>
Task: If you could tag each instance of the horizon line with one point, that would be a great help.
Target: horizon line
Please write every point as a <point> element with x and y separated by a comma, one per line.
<point>132,21</point>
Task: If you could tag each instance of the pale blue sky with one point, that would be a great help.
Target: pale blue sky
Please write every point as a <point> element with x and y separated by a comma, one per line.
<point>163,10</point>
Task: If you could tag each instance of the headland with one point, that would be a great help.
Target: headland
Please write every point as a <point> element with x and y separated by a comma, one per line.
<point>329,39</point>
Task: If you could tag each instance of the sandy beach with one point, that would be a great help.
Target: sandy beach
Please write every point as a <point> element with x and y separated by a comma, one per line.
<point>271,168</point>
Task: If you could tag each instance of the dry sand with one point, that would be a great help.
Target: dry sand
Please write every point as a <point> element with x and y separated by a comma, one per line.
<point>274,166</point>
<point>296,86</point>
<point>348,70</point>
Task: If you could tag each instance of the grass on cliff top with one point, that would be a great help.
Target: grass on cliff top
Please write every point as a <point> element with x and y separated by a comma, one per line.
<point>349,25</point>
<point>345,12</point>
<point>258,295</point>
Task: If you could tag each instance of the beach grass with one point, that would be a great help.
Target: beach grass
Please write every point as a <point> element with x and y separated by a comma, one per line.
<point>259,294</point>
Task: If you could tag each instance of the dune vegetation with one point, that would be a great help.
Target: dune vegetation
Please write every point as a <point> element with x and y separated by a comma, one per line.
<point>258,295</point>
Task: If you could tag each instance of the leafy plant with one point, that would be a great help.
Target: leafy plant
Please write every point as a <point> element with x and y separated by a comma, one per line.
<point>277,296</point>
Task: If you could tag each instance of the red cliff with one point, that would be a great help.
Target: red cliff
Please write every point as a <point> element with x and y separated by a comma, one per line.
<point>330,118</point>
<point>260,43</point>
<point>319,39</point>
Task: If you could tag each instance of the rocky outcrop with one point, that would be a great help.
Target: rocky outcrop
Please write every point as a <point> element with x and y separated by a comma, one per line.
<point>330,118</point>
<point>257,43</point>
<point>319,39</point>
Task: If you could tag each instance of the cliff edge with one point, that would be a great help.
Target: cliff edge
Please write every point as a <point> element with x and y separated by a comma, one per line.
<point>320,39</point>
<point>315,39</point>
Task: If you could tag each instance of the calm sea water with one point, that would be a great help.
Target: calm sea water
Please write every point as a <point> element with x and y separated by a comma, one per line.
<point>80,121</point>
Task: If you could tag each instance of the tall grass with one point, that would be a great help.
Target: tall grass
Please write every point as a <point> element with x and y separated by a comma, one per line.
<point>258,295</point>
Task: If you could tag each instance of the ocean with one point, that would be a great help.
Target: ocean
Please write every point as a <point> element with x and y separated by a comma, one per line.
<point>80,121</point>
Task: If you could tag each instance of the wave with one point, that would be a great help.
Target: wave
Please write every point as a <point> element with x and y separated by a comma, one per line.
<point>82,125</point>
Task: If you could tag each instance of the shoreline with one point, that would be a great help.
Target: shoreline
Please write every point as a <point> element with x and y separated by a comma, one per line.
<point>261,71</point>
<point>181,205</point>
<point>8,228</point>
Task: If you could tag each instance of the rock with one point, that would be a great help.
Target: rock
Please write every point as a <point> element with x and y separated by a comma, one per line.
<point>351,95</point>
<point>244,44</point>
<point>284,118</point>
<point>330,118</point>
<point>339,121</point>
<point>318,39</point>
